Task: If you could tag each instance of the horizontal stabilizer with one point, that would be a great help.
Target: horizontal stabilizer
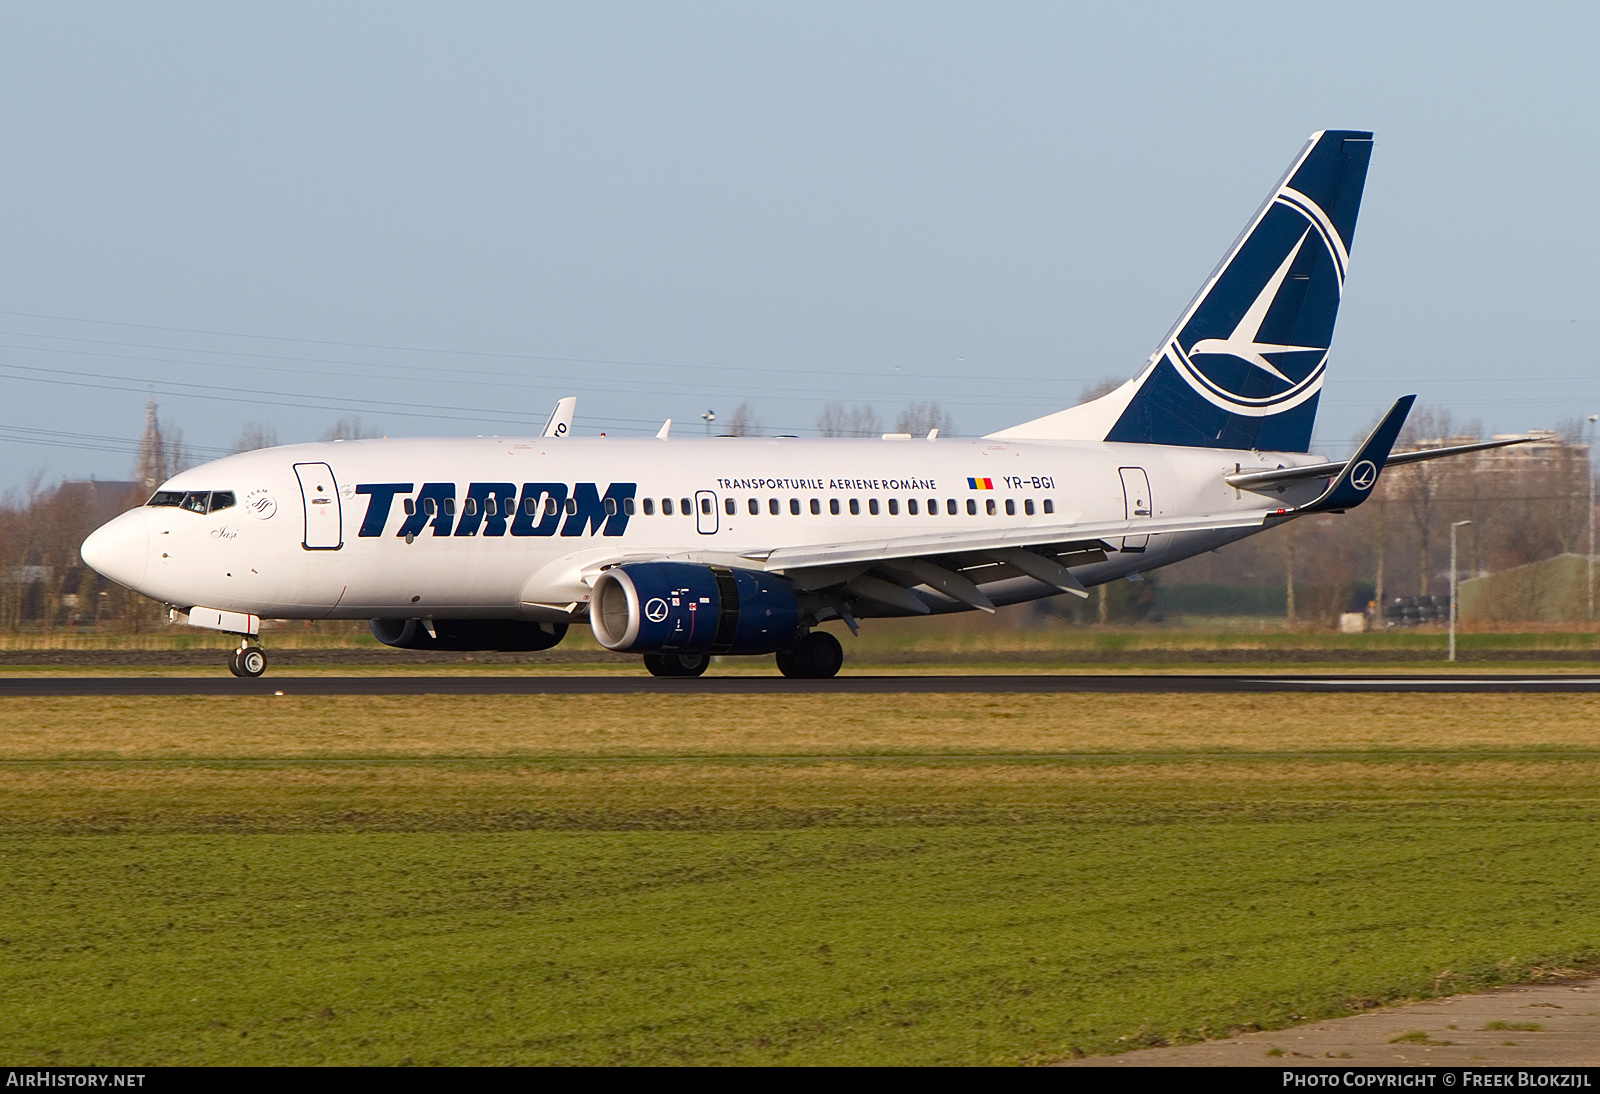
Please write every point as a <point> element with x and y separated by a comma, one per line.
<point>1250,480</point>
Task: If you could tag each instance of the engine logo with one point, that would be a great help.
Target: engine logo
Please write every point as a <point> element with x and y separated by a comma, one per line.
<point>655,610</point>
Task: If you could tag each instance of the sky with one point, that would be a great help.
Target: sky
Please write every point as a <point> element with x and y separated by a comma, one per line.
<point>442,218</point>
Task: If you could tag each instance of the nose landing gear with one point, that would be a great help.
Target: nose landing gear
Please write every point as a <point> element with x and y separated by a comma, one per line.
<point>247,661</point>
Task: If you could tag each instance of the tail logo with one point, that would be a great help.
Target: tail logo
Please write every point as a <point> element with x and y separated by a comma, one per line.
<point>1257,341</point>
<point>1364,475</point>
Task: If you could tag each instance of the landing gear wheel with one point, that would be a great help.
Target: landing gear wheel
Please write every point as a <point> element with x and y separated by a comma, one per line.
<point>677,664</point>
<point>248,661</point>
<point>817,656</point>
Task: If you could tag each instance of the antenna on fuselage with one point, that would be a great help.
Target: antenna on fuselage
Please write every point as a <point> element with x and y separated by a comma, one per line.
<point>560,423</point>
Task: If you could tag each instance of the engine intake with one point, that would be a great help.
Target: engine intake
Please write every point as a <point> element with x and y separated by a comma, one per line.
<point>684,607</point>
<point>463,635</point>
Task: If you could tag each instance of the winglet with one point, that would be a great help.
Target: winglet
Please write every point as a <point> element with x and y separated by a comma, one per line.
<point>560,423</point>
<point>1352,486</point>
<point>666,427</point>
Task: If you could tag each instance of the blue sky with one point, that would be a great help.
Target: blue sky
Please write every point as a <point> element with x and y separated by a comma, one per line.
<point>442,218</point>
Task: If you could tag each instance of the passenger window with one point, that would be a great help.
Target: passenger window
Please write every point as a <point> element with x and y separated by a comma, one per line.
<point>430,507</point>
<point>705,506</point>
<point>1049,506</point>
<point>650,507</point>
<point>872,506</point>
<point>196,501</point>
<point>1027,507</point>
<point>411,507</point>
<point>611,507</point>
<point>529,506</point>
<point>1011,508</point>
<point>490,507</point>
<point>551,506</point>
<point>855,508</point>
<point>816,507</point>
<point>754,506</point>
<point>972,507</point>
<point>166,497</point>
<point>221,499</point>
<point>833,506</point>
<point>989,506</point>
<point>685,509</point>
<point>894,507</point>
<point>729,506</point>
<point>449,507</point>
<point>794,507</point>
<point>666,507</point>
<point>950,506</point>
<point>572,506</point>
<point>911,507</point>
<point>773,507</point>
<point>627,506</point>
<point>469,508</point>
<point>933,507</point>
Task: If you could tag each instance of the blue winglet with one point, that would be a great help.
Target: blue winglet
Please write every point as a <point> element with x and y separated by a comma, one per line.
<point>1353,485</point>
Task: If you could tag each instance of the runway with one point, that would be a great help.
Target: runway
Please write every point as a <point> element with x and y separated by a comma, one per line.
<point>1169,683</point>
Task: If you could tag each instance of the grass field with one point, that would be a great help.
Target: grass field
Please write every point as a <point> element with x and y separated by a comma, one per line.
<point>902,879</point>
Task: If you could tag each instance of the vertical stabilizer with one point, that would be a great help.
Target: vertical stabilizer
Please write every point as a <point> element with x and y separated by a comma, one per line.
<point>1243,368</point>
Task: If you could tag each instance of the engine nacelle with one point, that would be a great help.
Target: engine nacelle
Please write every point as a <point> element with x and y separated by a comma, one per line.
<point>463,635</point>
<point>684,607</point>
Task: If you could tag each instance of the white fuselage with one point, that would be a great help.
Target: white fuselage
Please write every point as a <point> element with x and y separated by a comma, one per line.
<point>322,531</point>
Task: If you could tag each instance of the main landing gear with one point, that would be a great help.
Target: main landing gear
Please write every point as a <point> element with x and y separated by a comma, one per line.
<point>677,664</point>
<point>247,661</point>
<point>817,656</point>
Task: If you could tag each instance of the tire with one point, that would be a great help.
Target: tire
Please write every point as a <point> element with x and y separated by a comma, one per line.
<point>677,664</point>
<point>252,661</point>
<point>817,656</point>
<point>233,662</point>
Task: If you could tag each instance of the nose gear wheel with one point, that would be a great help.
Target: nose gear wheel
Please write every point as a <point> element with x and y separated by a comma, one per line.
<point>247,661</point>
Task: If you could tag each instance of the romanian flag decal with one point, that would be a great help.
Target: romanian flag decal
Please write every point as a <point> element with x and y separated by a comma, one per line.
<point>980,484</point>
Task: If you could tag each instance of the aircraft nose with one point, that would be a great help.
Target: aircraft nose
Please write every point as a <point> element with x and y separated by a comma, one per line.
<point>120,549</point>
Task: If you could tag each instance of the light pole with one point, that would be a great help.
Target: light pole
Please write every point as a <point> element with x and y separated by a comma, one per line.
<point>1453,575</point>
<point>708,417</point>
<point>1588,467</point>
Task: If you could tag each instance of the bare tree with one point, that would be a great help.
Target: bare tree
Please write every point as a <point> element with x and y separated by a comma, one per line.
<point>744,422</point>
<point>1421,487</point>
<point>350,428</point>
<point>857,421</point>
<point>1102,387</point>
<point>180,457</point>
<point>919,419</point>
<point>254,435</point>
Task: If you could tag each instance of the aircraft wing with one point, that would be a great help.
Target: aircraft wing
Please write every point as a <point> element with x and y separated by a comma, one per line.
<point>954,563</point>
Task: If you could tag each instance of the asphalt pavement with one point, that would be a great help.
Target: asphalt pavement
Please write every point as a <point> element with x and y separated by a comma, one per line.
<point>617,684</point>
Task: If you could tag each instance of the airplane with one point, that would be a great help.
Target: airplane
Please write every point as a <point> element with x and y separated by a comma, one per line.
<point>685,549</point>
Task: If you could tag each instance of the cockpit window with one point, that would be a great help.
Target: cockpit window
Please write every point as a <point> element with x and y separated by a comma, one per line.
<point>221,499</point>
<point>196,501</point>
<point>166,497</point>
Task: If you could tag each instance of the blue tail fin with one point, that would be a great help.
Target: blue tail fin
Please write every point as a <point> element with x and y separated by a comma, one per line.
<point>1244,366</point>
